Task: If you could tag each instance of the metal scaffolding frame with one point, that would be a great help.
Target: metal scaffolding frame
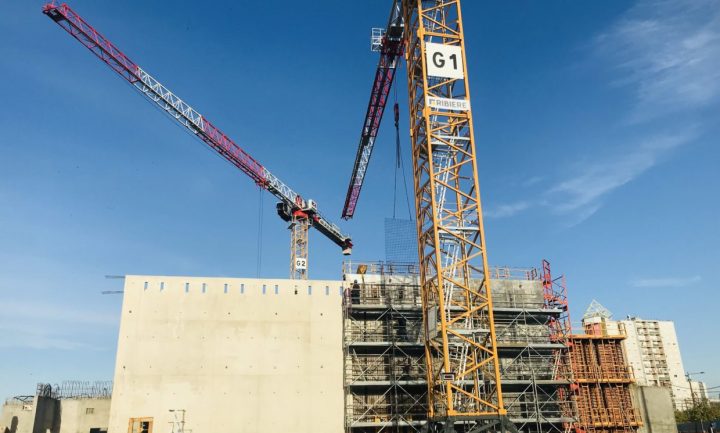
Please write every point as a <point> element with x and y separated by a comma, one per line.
<point>602,383</point>
<point>532,322</point>
<point>384,367</point>
<point>385,374</point>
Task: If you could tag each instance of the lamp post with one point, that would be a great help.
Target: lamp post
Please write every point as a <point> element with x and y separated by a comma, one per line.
<point>692,395</point>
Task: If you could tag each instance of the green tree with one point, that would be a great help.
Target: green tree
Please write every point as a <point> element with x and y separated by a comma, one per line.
<point>702,411</point>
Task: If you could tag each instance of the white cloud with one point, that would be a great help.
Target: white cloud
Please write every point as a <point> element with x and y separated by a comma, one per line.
<point>669,53</point>
<point>507,210</point>
<point>59,314</point>
<point>659,283</point>
<point>583,192</point>
<point>37,337</point>
<point>38,325</point>
<point>532,181</point>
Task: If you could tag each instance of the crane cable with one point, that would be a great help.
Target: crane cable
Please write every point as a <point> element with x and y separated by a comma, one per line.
<point>399,166</point>
<point>260,230</point>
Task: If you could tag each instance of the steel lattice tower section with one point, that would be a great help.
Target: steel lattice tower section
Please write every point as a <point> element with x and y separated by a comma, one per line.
<point>299,227</point>
<point>463,370</point>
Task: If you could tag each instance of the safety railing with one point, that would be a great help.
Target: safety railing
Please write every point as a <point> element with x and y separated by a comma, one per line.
<point>382,294</point>
<point>369,368</point>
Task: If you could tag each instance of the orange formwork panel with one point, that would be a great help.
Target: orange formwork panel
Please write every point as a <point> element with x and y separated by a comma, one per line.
<point>602,384</point>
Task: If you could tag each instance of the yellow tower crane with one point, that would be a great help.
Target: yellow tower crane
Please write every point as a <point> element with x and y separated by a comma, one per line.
<point>463,372</point>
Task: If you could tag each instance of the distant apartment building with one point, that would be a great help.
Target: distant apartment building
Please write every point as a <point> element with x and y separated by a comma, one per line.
<point>699,389</point>
<point>653,353</point>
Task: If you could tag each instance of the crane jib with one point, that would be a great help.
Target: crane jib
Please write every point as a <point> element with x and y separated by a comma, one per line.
<point>183,113</point>
<point>390,52</point>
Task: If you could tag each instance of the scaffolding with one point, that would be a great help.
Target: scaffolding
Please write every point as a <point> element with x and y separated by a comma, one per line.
<point>532,323</point>
<point>602,382</point>
<point>384,365</point>
<point>385,370</point>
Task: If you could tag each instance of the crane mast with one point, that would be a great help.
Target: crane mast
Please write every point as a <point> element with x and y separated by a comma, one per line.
<point>463,371</point>
<point>292,207</point>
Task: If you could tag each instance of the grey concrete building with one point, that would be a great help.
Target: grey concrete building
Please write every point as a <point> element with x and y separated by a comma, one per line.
<point>655,404</point>
<point>73,407</point>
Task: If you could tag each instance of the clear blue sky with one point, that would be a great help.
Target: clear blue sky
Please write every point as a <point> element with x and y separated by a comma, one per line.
<point>596,127</point>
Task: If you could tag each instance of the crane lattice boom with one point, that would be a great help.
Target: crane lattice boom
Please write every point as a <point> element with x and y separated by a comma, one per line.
<point>391,49</point>
<point>192,120</point>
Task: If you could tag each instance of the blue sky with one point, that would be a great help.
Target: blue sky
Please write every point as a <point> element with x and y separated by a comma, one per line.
<point>596,127</point>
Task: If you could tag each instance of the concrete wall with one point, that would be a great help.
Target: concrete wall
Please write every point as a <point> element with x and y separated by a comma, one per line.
<point>656,408</point>
<point>506,293</point>
<point>81,414</point>
<point>517,293</point>
<point>17,417</point>
<point>36,416</point>
<point>45,414</point>
<point>234,356</point>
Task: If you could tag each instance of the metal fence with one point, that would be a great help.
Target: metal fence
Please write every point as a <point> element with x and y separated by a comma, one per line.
<point>75,389</point>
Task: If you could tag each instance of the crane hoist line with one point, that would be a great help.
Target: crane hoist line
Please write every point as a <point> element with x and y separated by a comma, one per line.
<point>292,206</point>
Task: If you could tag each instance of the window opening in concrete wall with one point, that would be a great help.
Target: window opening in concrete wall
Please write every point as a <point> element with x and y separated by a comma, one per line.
<point>162,285</point>
<point>277,290</point>
<point>187,287</point>
<point>264,288</point>
<point>327,290</point>
<point>146,285</point>
<point>140,425</point>
<point>89,410</point>
<point>225,289</point>
<point>204,286</point>
<point>242,288</point>
<point>309,290</point>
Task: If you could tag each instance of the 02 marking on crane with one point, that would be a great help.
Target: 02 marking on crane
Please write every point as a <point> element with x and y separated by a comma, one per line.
<point>444,60</point>
<point>300,264</point>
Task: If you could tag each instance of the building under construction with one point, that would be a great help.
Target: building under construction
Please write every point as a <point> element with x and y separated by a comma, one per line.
<point>229,354</point>
<point>602,382</point>
<point>385,375</point>
<point>391,347</point>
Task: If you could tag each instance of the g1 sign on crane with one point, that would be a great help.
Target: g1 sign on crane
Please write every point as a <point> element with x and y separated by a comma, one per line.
<point>292,207</point>
<point>462,366</point>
